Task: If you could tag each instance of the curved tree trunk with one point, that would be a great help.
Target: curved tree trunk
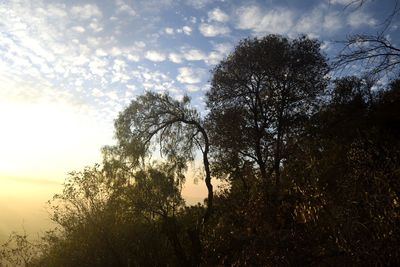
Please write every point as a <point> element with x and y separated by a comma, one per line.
<point>206,168</point>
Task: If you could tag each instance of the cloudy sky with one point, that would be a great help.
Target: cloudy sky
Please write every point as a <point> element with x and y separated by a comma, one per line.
<point>68,67</point>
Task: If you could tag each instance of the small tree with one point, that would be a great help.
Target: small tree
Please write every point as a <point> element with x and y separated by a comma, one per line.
<point>158,120</point>
<point>19,250</point>
<point>173,125</point>
<point>101,222</point>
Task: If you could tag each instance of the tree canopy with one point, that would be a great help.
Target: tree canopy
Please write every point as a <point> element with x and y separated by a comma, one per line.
<point>260,96</point>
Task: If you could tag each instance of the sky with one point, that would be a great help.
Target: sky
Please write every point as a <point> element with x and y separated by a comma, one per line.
<point>68,67</point>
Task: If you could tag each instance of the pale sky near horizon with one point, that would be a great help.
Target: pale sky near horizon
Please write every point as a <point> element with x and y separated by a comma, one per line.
<point>68,67</point>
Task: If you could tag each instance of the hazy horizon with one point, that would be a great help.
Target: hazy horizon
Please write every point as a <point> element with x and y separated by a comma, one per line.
<point>28,211</point>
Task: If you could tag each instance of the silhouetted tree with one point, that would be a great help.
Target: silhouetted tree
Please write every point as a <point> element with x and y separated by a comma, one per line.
<point>178,131</point>
<point>259,96</point>
<point>173,125</point>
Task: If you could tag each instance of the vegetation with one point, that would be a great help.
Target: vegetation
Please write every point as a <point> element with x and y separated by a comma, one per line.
<point>312,164</point>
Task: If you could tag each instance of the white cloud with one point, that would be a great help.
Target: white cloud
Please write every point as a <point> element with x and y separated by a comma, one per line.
<point>81,60</point>
<point>326,46</point>
<point>100,52</point>
<point>219,52</point>
<point>193,20</point>
<point>155,56</point>
<point>86,11</point>
<point>176,58</point>
<point>154,80</point>
<point>93,42</point>
<point>113,95</point>
<point>187,30</point>
<point>133,57</point>
<point>212,30</point>
<point>318,22</point>
<point>79,29</point>
<point>55,10</point>
<point>217,15</point>
<point>191,75</point>
<point>194,54</point>
<point>198,3</point>
<point>332,22</point>
<point>119,71</point>
<point>169,30</point>
<point>192,88</point>
<point>95,26</point>
<point>97,93</point>
<point>359,18</point>
<point>140,44</point>
<point>131,87</point>
<point>123,7</point>
<point>273,21</point>
<point>116,51</point>
<point>98,66</point>
<point>223,48</point>
<point>309,22</point>
<point>340,2</point>
<point>249,17</point>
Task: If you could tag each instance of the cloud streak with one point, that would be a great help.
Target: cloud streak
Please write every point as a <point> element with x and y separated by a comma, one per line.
<point>191,75</point>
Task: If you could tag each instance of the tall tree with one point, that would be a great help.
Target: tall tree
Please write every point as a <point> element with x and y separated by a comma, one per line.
<point>260,95</point>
